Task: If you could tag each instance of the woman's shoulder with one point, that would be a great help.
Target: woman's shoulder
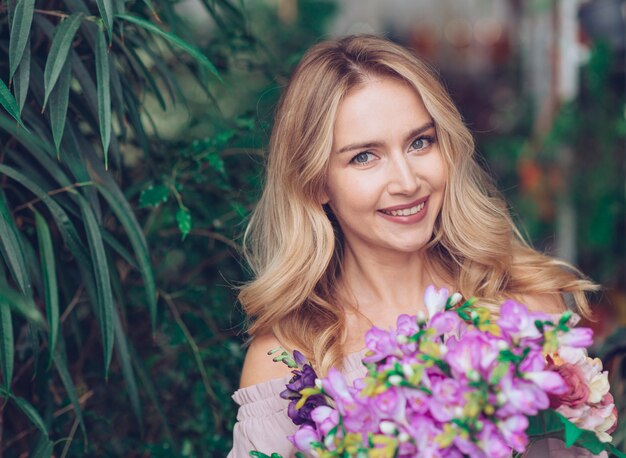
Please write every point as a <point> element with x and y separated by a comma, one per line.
<point>258,366</point>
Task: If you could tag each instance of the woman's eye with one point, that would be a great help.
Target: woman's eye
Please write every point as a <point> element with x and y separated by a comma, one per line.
<point>421,143</point>
<point>362,158</point>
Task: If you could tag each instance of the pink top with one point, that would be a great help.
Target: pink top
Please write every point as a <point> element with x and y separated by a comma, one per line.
<point>263,423</point>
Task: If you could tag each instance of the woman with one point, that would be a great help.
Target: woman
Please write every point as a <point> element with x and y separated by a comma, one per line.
<point>372,193</point>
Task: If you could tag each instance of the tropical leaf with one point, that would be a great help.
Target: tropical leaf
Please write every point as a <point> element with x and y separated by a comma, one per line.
<point>173,39</point>
<point>20,32</point>
<point>104,92</point>
<point>22,79</point>
<point>7,350</point>
<point>50,286</point>
<point>59,100</point>
<point>101,274</point>
<point>11,248</point>
<point>59,51</point>
<point>9,103</point>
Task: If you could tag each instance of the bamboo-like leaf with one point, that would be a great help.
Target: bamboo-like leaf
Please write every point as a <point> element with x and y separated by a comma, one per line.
<point>119,205</point>
<point>105,7</point>
<point>127,368</point>
<point>28,410</point>
<point>175,40</point>
<point>59,100</point>
<point>20,31</point>
<point>59,51</point>
<point>9,103</point>
<point>50,286</point>
<point>20,303</point>
<point>103,282</point>
<point>7,350</point>
<point>104,92</point>
<point>60,362</point>
<point>11,248</point>
<point>42,448</point>
<point>22,79</point>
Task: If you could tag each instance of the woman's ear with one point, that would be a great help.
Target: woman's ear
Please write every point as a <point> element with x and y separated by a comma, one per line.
<point>324,199</point>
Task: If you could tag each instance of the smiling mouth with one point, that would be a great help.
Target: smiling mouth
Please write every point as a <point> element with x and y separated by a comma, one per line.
<point>405,211</point>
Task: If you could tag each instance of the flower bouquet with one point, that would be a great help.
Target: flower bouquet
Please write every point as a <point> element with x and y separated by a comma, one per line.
<point>459,383</point>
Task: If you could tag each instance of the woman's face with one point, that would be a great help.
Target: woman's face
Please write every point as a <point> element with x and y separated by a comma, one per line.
<point>386,176</point>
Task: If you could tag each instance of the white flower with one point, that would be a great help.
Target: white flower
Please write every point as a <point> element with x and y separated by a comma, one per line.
<point>435,300</point>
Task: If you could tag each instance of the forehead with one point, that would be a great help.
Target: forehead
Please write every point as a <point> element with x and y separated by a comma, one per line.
<point>381,109</point>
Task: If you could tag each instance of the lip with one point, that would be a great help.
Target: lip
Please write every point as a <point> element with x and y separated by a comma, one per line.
<point>409,205</point>
<point>410,219</point>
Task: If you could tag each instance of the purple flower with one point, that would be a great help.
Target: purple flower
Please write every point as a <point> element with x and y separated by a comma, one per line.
<point>521,397</point>
<point>390,404</point>
<point>302,378</point>
<point>382,344</point>
<point>513,430</point>
<point>576,337</point>
<point>445,322</point>
<point>326,418</point>
<point>303,438</point>
<point>492,443</point>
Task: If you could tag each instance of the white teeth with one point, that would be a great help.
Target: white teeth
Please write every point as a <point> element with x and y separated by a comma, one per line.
<point>405,211</point>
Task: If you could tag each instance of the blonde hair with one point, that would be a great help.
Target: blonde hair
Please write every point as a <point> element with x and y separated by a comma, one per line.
<point>294,248</point>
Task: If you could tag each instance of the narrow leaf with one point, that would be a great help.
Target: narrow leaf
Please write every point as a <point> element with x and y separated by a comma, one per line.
<point>61,366</point>
<point>48,268</point>
<point>11,248</point>
<point>9,103</point>
<point>28,410</point>
<point>59,100</point>
<point>22,79</point>
<point>173,39</point>
<point>42,448</point>
<point>7,351</point>
<point>105,7</point>
<point>20,303</point>
<point>127,368</point>
<point>20,31</point>
<point>104,93</point>
<point>59,50</point>
<point>103,282</point>
<point>118,203</point>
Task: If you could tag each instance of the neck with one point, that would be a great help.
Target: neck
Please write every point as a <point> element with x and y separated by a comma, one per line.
<point>381,287</point>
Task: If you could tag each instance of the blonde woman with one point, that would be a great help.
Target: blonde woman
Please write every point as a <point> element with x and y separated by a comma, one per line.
<point>372,193</point>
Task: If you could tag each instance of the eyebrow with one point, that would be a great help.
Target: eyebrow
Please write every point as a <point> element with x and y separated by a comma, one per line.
<point>374,144</point>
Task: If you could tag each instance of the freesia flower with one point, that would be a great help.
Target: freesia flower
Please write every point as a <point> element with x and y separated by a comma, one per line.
<point>435,300</point>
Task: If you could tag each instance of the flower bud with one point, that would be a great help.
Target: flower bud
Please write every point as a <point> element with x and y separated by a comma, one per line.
<point>501,399</point>
<point>421,318</point>
<point>455,298</point>
<point>407,370</point>
<point>502,345</point>
<point>402,339</point>
<point>318,383</point>
<point>388,428</point>
<point>403,437</point>
<point>473,375</point>
<point>395,379</point>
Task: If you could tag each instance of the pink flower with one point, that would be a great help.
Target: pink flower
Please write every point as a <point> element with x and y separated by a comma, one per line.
<point>513,429</point>
<point>303,437</point>
<point>444,322</point>
<point>576,337</point>
<point>549,381</point>
<point>577,390</point>
<point>381,344</point>
<point>326,418</point>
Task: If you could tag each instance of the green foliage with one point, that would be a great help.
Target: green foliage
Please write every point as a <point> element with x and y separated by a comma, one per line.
<point>119,245</point>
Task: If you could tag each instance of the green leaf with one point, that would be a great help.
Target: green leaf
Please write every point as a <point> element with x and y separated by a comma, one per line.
<point>183,218</point>
<point>59,50</point>
<point>7,350</point>
<point>22,78</point>
<point>153,196</point>
<point>127,368</point>
<point>11,248</point>
<point>119,205</point>
<point>105,303</point>
<point>59,100</point>
<point>20,303</point>
<point>28,410</point>
<point>61,365</point>
<point>9,103</point>
<point>104,92</point>
<point>20,31</point>
<point>105,7</point>
<point>42,448</point>
<point>51,290</point>
<point>173,39</point>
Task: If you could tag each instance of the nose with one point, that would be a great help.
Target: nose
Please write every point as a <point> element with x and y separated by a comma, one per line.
<point>402,177</point>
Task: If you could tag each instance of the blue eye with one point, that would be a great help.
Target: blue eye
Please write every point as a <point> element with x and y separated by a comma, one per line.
<point>421,143</point>
<point>362,158</point>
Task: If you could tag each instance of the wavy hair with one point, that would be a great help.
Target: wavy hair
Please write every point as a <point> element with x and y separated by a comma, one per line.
<point>293,244</point>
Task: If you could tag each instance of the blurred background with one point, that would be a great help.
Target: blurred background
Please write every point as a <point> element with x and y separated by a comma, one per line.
<point>540,83</point>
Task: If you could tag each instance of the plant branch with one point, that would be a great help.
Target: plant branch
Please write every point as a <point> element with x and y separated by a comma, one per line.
<point>52,193</point>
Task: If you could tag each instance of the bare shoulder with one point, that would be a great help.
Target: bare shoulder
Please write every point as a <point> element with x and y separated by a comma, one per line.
<point>258,366</point>
<point>545,302</point>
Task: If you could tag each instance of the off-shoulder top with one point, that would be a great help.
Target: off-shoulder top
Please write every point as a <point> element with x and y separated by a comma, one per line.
<point>263,424</point>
